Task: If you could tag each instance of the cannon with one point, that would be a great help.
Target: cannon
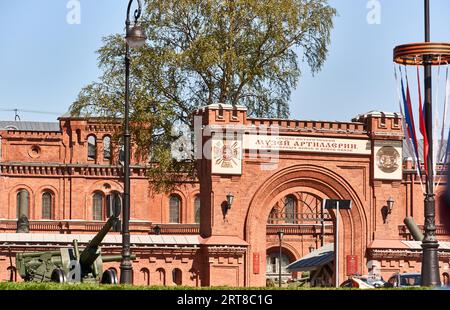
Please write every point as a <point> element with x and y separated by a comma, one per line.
<point>69,264</point>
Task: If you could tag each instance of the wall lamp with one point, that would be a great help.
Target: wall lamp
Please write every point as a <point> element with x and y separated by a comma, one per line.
<point>390,204</point>
<point>230,199</point>
<point>226,205</point>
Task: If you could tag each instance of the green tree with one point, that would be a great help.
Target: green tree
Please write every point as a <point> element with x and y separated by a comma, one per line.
<point>201,52</point>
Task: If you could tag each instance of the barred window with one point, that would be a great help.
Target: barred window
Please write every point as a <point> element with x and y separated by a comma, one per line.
<point>97,203</point>
<point>47,208</point>
<point>174,209</point>
<point>290,210</point>
<point>197,209</point>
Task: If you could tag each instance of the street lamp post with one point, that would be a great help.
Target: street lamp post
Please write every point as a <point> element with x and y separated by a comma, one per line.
<point>430,262</point>
<point>135,38</point>
<point>280,238</point>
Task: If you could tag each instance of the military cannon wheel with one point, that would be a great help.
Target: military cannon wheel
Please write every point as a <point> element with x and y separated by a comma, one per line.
<point>109,277</point>
<point>58,276</point>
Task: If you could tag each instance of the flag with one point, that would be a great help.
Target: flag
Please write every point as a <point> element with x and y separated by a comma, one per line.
<point>423,127</point>
<point>410,121</point>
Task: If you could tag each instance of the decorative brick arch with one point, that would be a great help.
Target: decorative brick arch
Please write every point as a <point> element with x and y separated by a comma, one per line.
<point>321,180</point>
<point>286,249</point>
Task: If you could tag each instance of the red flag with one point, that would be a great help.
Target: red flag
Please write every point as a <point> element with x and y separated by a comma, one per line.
<point>423,128</point>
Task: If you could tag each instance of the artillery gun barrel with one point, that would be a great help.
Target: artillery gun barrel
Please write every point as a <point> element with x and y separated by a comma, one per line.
<point>115,258</point>
<point>37,254</point>
<point>89,254</point>
<point>413,229</point>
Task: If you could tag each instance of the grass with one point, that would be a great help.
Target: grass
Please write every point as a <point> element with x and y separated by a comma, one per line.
<point>90,287</point>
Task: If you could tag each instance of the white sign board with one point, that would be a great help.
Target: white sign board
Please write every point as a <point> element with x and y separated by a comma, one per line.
<point>307,144</point>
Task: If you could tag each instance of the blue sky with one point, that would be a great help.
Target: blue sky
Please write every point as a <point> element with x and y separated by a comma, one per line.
<point>44,61</point>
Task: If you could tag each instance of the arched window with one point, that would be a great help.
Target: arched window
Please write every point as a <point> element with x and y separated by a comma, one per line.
<point>92,148</point>
<point>114,200</point>
<point>107,148</point>
<point>145,276</point>
<point>290,210</point>
<point>174,209</point>
<point>23,203</point>
<point>78,131</point>
<point>177,276</point>
<point>97,207</point>
<point>161,276</point>
<point>197,209</point>
<point>47,206</point>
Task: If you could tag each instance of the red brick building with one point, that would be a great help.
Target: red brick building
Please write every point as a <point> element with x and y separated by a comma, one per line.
<point>64,176</point>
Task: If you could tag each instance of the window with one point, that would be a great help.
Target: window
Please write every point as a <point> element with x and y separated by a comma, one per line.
<point>290,210</point>
<point>97,204</point>
<point>177,276</point>
<point>197,209</point>
<point>47,208</point>
<point>161,276</point>
<point>113,201</point>
<point>121,151</point>
<point>23,200</point>
<point>145,276</point>
<point>92,148</point>
<point>107,148</point>
<point>174,209</point>
<point>78,136</point>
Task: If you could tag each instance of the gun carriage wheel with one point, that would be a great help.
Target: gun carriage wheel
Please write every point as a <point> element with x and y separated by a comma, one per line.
<point>58,276</point>
<point>109,277</point>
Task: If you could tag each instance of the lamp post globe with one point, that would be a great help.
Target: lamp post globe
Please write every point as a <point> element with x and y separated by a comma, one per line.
<point>136,37</point>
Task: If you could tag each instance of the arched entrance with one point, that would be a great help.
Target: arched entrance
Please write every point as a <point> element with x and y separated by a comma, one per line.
<point>315,180</point>
<point>304,224</point>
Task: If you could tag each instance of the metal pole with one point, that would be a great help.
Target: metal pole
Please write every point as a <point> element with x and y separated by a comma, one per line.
<point>322,226</point>
<point>430,261</point>
<point>126,268</point>
<point>279,261</point>
<point>337,246</point>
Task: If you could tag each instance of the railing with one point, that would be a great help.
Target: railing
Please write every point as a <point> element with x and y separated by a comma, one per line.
<point>404,232</point>
<point>70,227</point>
<point>300,229</point>
<point>282,217</point>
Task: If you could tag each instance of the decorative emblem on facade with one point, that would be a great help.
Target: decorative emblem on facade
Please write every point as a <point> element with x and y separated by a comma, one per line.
<point>226,156</point>
<point>388,159</point>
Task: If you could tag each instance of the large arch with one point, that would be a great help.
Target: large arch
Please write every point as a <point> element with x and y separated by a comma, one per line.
<point>320,180</point>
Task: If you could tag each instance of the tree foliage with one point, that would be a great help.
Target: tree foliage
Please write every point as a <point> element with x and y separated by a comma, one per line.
<point>199,52</point>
